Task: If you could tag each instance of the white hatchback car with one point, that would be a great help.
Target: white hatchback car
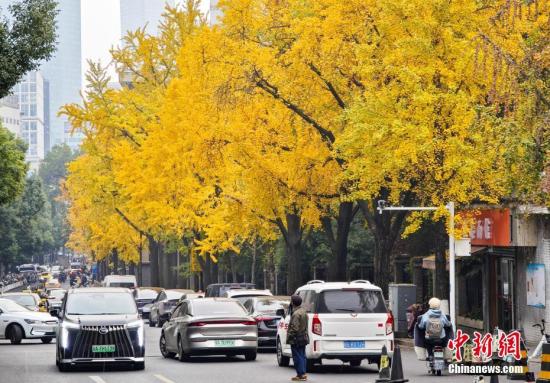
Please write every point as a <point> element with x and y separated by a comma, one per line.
<point>348,321</point>
<point>18,322</point>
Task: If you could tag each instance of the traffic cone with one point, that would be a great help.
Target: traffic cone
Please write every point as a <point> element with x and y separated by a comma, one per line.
<point>523,375</point>
<point>397,367</point>
<point>544,374</point>
<point>384,373</point>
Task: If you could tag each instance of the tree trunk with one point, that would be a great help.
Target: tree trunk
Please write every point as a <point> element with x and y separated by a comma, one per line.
<point>441,281</point>
<point>339,244</point>
<point>115,260</point>
<point>293,242</point>
<point>154,260</point>
<point>164,267</point>
<point>386,228</point>
<point>132,268</point>
<point>233,268</point>
<point>253,266</point>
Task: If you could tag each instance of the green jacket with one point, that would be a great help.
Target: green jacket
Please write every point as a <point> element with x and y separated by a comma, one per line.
<point>297,325</point>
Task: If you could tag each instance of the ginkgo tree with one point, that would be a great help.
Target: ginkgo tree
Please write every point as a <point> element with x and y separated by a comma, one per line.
<point>292,116</point>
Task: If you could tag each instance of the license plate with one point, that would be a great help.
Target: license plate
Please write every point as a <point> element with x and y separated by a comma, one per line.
<point>103,348</point>
<point>224,343</point>
<point>438,354</point>
<point>354,344</point>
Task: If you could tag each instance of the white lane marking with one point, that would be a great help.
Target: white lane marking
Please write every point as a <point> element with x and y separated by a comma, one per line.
<point>97,379</point>
<point>163,379</point>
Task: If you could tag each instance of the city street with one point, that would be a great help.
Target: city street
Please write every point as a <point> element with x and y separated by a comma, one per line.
<point>33,362</point>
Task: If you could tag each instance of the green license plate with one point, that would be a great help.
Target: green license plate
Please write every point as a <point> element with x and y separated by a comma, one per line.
<point>103,348</point>
<point>224,343</point>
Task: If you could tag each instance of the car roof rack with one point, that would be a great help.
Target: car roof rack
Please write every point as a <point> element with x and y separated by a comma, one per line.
<point>361,281</point>
<point>315,281</point>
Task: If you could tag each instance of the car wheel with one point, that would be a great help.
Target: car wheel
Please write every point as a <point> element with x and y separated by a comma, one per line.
<point>15,334</point>
<point>250,356</point>
<point>162,345</point>
<point>139,365</point>
<point>64,367</point>
<point>355,363</point>
<point>46,340</point>
<point>182,356</point>
<point>282,361</point>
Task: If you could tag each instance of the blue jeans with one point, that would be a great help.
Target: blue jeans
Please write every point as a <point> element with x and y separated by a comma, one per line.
<point>299,359</point>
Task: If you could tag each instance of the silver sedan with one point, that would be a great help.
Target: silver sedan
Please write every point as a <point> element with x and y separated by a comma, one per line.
<point>209,326</point>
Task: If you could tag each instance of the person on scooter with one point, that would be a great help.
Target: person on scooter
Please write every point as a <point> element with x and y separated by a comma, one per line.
<point>433,323</point>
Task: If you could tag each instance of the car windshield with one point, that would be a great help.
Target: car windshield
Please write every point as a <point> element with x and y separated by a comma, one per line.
<point>26,268</point>
<point>101,303</point>
<point>146,294</point>
<point>122,284</point>
<point>57,294</point>
<point>212,308</point>
<point>25,300</point>
<point>9,306</point>
<point>351,301</point>
<point>268,306</point>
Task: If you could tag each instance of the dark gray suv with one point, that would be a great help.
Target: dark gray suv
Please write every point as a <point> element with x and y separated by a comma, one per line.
<point>99,326</point>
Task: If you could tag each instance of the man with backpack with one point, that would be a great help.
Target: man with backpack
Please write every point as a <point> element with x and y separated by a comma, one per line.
<point>433,322</point>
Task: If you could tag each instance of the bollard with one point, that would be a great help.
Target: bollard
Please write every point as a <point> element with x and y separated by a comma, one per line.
<point>524,374</point>
<point>544,374</point>
<point>397,367</point>
<point>494,379</point>
<point>384,373</point>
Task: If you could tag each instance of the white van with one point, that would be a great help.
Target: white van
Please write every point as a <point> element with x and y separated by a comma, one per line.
<point>128,281</point>
<point>348,321</point>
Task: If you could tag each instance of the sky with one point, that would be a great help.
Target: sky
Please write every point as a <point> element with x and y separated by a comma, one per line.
<point>101,29</point>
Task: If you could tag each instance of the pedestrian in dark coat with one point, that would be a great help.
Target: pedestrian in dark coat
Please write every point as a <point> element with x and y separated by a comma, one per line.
<point>297,337</point>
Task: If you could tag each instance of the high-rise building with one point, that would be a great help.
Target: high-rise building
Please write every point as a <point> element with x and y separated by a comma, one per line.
<point>30,92</point>
<point>10,116</point>
<point>64,72</point>
<point>136,14</point>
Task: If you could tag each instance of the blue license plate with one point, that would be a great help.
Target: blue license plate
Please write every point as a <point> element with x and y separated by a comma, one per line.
<point>354,344</point>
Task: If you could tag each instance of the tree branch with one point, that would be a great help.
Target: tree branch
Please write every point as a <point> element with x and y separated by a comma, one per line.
<point>329,86</point>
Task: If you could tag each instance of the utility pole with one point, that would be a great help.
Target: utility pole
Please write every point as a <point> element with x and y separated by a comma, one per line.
<point>450,207</point>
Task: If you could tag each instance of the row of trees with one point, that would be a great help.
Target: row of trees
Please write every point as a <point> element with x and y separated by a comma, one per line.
<point>33,225</point>
<point>291,119</point>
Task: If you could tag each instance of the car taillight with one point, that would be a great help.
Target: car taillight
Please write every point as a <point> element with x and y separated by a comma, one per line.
<point>316,326</point>
<point>246,323</point>
<point>389,324</point>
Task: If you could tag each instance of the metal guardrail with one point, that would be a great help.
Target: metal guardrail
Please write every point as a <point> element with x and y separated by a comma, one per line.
<point>5,289</point>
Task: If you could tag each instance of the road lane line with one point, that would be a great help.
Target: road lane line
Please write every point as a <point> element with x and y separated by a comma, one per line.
<point>97,379</point>
<point>163,379</point>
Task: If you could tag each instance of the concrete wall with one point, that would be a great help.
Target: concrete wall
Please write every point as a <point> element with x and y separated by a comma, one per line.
<point>527,316</point>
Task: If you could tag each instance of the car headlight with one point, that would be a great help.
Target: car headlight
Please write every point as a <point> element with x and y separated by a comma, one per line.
<point>31,321</point>
<point>65,326</point>
<point>138,324</point>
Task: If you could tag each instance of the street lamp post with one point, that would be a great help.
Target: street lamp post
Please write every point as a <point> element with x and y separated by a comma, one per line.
<point>451,209</point>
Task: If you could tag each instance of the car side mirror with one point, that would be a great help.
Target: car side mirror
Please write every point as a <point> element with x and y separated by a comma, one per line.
<point>54,313</point>
<point>280,313</point>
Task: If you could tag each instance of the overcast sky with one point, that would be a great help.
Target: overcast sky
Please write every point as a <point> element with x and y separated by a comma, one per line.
<point>101,29</point>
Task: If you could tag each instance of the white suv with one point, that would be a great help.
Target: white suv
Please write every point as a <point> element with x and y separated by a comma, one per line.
<point>348,321</point>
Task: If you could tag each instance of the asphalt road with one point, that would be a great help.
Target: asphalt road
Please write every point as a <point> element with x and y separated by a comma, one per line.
<point>32,362</point>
